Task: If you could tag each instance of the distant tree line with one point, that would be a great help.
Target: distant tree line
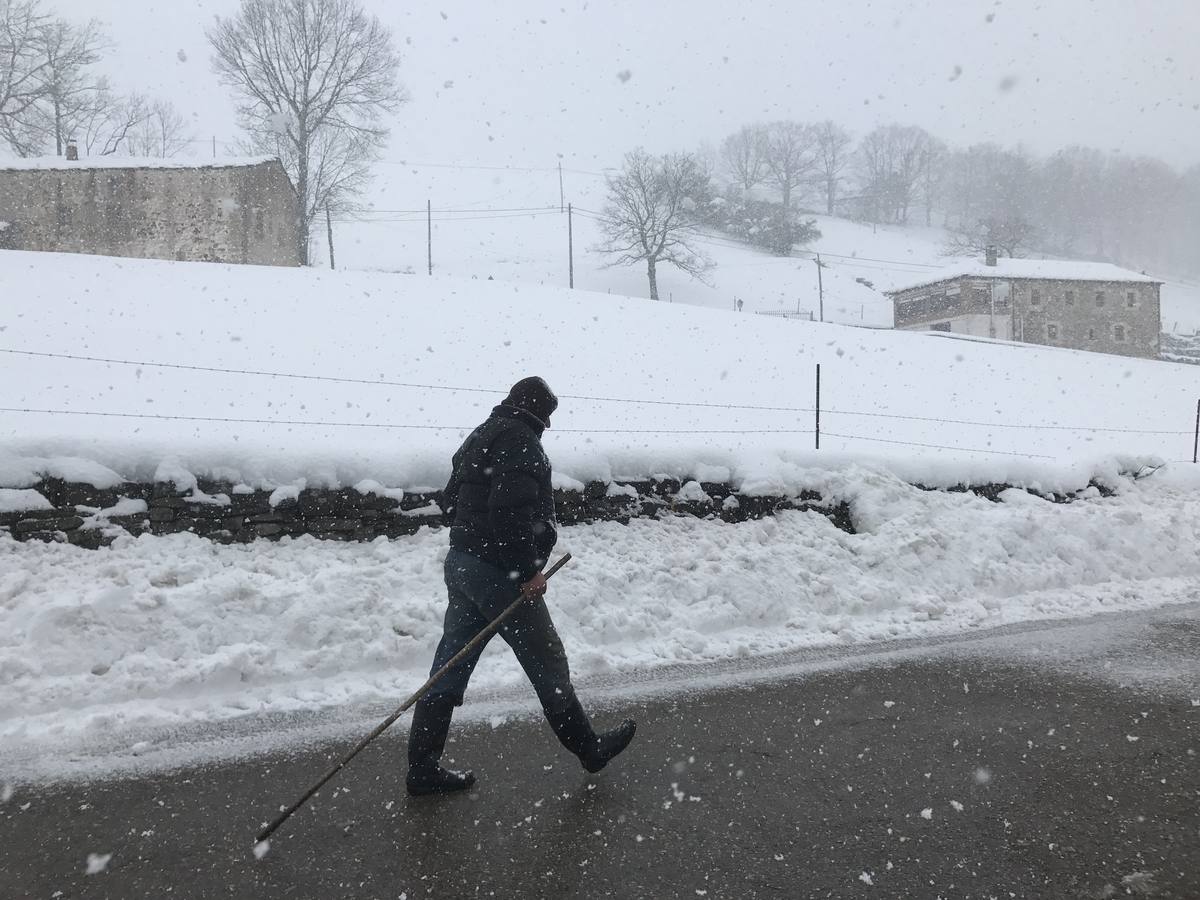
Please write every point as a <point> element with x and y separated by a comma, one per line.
<point>1133,210</point>
<point>762,180</point>
<point>51,93</point>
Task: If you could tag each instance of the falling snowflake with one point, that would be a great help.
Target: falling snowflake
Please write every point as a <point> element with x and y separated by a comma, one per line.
<point>97,862</point>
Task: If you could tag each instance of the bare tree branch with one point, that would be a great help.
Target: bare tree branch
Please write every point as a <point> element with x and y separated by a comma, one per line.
<point>105,128</point>
<point>163,133</point>
<point>22,74</point>
<point>1009,236</point>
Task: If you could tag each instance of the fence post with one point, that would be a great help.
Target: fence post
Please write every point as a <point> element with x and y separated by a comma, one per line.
<point>1196,439</point>
<point>817,432</point>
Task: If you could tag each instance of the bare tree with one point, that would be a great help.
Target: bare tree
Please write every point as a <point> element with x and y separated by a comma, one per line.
<point>1011,236</point>
<point>314,79</point>
<point>68,52</point>
<point>652,212</point>
<point>163,133</point>
<point>892,159</point>
<point>743,154</point>
<point>22,74</point>
<point>933,156</point>
<point>833,155</point>
<point>790,155</point>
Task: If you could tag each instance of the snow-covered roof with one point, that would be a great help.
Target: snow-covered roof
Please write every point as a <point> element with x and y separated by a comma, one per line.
<point>129,162</point>
<point>1057,269</point>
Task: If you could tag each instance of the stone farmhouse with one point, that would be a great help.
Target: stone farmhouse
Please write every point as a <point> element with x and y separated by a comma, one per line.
<point>232,211</point>
<point>1057,303</point>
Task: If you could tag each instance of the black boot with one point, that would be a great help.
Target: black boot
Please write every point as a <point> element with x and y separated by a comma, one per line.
<point>574,731</point>
<point>426,741</point>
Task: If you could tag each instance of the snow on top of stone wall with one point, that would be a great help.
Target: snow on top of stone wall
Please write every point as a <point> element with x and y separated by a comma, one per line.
<point>53,163</point>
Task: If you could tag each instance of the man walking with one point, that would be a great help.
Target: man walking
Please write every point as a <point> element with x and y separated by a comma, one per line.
<point>501,511</point>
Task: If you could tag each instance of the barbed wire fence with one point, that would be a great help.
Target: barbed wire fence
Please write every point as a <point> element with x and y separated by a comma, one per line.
<point>817,411</point>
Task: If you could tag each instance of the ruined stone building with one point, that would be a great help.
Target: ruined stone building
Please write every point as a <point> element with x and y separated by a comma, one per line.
<point>233,211</point>
<point>1058,303</point>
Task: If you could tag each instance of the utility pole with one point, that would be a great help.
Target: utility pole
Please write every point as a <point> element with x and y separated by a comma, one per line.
<point>429,233</point>
<point>561,195</point>
<point>329,232</point>
<point>570,248</point>
<point>820,288</point>
<point>214,146</point>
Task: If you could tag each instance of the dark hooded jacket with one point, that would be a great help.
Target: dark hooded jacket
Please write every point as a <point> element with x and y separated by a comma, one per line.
<point>498,501</point>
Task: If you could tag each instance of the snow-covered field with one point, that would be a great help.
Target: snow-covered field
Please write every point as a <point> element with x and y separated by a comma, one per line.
<point>169,631</point>
<point>416,361</point>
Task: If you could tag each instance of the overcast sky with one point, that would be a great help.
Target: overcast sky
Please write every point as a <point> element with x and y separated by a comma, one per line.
<point>519,82</point>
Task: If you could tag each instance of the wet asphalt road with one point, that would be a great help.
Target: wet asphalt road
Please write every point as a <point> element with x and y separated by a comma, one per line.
<point>1056,762</point>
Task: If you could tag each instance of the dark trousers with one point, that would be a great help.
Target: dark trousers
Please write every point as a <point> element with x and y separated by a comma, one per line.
<point>478,593</point>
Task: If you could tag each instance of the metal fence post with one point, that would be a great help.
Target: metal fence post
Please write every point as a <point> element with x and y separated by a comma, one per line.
<point>817,432</point>
<point>1196,439</point>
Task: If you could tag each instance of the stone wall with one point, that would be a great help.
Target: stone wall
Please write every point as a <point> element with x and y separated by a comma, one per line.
<point>1120,317</point>
<point>244,213</point>
<point>89,517</point>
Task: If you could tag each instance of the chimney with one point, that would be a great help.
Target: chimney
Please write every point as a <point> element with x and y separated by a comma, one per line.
<point>72,152</point>
<point>990,256</point>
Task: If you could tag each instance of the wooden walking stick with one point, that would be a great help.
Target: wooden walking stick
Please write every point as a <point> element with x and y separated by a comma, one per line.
<point>421,692</point>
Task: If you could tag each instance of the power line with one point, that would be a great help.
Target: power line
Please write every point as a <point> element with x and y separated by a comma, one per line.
<point>486,168</point>
<point>858,437</point>
<point>382,382</point>
<point>476,209</point>
<point>406,425</point>
<point>585,397</point>
<point>1019,425</point>
<point>422,219</point>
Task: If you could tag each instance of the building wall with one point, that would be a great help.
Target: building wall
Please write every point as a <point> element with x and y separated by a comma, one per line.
<point>236,214</point>
<point>1065,314</point>
<point>1117,325</point>
<point>974,324</point>
<point>970,303</point>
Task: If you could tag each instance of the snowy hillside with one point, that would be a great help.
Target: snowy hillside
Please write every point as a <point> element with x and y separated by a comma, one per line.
<point>388,371</point>
<point>506,223</point>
